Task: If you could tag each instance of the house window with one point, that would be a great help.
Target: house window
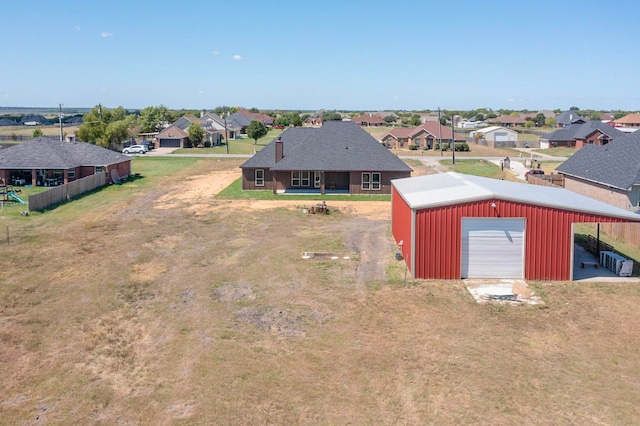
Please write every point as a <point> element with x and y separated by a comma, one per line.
<point>71,173</point>
<point>295,178</point>
<point>299,178</point>
<point>371,181</point>
<point>259,177</point>
<point>97,169</point>
<point>317,179</point>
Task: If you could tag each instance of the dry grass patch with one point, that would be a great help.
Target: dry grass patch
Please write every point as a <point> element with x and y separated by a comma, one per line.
<point>208,314</point>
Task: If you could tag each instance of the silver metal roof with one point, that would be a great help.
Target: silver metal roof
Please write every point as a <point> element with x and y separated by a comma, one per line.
<point>444,189</point>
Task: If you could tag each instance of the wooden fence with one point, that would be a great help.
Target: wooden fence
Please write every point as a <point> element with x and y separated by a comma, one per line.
<point>627,232</point>
<point>553,180</point>
<point>58,194</point>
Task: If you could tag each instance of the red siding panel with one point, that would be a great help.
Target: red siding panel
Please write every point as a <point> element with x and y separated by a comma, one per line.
<point>548,237</point>
<point>401,224</point>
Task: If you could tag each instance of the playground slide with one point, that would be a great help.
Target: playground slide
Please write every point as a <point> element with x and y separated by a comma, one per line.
<point>15,197</point>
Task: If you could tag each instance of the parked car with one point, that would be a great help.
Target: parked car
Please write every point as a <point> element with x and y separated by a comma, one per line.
<point>134,149</point>
<point>148,144</point>
<point>533,172</point>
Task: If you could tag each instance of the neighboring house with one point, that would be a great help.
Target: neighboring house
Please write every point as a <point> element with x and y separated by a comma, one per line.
<point>507,121</point>
<point>609,173</point>
<point>314,120</point>
<point>454,226</point>
<point>32,119</point>
<point>339,157</point>
<point>425,136</point>
<point>629,120</point>
<point>7,122</point>
<point>578,135</point>
<point>369,120</point>
<point>265,119</point>
<point>45,162</point>
<point>567,118</point>
<point>177,134</point>
<point>212,122</point>
<point>497,137</point>
<point>173,137</point>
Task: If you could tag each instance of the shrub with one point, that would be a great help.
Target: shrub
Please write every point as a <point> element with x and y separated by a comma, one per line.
<point>464,147</point>
<point>207,144</point>
<point>413,147</point>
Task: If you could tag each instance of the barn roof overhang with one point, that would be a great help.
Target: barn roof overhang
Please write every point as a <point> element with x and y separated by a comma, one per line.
<point>444,189</point>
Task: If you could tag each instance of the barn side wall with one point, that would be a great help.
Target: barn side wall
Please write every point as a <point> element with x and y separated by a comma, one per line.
<point>401,229</point>
<point>548,238</point>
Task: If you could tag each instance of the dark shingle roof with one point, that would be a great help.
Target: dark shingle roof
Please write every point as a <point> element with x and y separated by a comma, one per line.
<point>568,117</point>
<point>582,130</point>
<point>45,153</point>
<point>336,146</point>
<point>616,164</point>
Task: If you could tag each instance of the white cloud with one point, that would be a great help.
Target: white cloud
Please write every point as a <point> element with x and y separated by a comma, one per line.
<point>215,52</point>
<point>237,57</point>
<point>105,34</point>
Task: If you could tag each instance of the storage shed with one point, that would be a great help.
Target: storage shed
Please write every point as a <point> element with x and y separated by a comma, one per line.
<point>453,226</point>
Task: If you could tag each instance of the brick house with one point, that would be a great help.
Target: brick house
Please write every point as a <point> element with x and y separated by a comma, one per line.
<point>609,173</point>
<point>337,158</point>
<point>47,162</point>
<point>425,136</point>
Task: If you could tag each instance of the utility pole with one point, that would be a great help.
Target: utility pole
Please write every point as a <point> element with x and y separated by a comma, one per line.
<point>440,131</point>
<point>453,142</point>
<point>226,137</point>
<point>60,121</point>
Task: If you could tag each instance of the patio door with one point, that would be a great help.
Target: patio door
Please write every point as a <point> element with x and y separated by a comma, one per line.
<point>317,179</point>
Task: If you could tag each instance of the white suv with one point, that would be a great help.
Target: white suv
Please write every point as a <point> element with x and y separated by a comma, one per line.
<point>134,149</point>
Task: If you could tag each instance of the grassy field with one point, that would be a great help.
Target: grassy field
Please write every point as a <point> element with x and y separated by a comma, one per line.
<point>147,303</point>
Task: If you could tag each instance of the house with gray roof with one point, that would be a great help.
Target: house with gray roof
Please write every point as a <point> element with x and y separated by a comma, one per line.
<point>567,118</point>
<point>609,173</point>
<point>340,158</point>
<point>46,162</point>
<point>578,135</point>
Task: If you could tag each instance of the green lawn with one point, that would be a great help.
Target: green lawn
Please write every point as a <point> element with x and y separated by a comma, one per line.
<point>234,191</point>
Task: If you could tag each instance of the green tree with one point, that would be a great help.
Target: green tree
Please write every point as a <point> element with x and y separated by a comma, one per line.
<point>295,119</point>
<point>390,119</point>
<point>574,108</point>
<point>153,119</point>
<point>106,128</point>
<point>256,130</point>
<point>550,122</point>
<point>529,124</point>
<point>540,118</point>
<point>619,114</point>
<point>283,121</point>
<point>196,134</point>
<point>415,120</point>
<point>331,116</point>
<point>37,133</point>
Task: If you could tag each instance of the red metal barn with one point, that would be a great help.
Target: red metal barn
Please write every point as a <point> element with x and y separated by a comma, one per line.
<point>453,226</point>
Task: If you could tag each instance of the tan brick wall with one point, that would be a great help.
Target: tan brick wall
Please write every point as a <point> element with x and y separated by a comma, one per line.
<point>599,192</point>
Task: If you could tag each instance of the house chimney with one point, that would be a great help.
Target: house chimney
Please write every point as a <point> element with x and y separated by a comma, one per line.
<point>279,149</point>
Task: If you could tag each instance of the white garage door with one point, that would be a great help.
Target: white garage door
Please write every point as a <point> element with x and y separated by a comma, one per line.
<point>500,137</point>
<point>492,248</point>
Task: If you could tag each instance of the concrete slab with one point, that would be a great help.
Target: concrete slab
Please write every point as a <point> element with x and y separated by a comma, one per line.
<point>590,272</point>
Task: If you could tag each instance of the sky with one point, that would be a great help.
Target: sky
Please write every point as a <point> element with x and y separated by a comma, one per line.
<point>334,55</point>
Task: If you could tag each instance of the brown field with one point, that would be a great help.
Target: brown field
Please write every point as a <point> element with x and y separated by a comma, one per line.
<point>171,307</point>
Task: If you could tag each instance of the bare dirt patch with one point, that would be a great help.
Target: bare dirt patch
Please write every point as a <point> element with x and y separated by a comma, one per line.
<point>206,312</point>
